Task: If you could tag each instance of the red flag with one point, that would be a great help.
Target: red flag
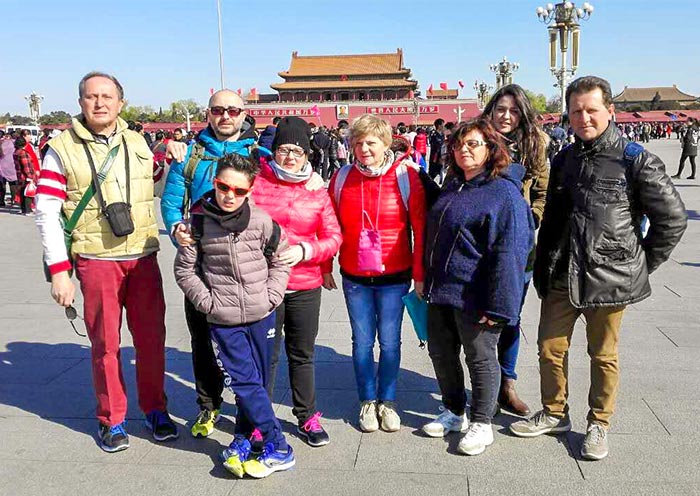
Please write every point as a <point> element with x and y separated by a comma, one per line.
<point>253,91</point>
<point>239,91</point>
<point>430,89</point>
<point>443,86</point>
<point>460,83</point>
<point>211,91</point>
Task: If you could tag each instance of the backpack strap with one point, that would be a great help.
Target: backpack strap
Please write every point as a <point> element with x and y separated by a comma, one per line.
<point>404,183</point>
<point>632,151</point>
<point>274,241</point>
<point>188,173</point>
<point>340,178</point>
<point>197,227</point>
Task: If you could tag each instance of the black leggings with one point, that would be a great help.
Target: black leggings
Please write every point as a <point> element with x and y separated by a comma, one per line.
<point>681,165</point>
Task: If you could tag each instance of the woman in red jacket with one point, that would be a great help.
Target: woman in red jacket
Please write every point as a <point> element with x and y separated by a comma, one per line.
<point>378,260</point>
<point>26,173</point>
<point>314,236</point>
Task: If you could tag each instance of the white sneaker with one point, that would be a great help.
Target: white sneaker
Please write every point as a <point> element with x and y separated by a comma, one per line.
<point>476,439</point>
<point>445,423</point>
<point>388,416</point>
<point>368,416</point>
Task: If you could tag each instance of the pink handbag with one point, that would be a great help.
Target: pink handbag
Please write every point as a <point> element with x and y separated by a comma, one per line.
<point>369,250</point>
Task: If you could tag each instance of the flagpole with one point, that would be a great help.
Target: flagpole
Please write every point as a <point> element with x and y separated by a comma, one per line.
<point>221,45</point>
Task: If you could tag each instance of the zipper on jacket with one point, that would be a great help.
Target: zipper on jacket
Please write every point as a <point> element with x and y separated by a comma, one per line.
<point>432,249</point>
<point>237,271</point>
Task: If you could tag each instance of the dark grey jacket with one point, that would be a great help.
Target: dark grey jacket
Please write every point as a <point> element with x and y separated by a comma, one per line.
<point>591,231</point>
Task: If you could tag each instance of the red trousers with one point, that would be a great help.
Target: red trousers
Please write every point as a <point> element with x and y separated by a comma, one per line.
<point>108,287</point>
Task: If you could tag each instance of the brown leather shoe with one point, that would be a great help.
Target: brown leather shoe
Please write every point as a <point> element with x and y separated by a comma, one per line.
<point>508,399</point>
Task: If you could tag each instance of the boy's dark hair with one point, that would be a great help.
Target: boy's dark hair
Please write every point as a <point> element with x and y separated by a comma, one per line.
<point>585,84</point>
<point>438,122</point>
<point>239,163</point>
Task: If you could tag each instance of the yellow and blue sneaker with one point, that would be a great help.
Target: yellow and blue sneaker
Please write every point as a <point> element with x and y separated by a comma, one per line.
<point>204,425</point>
<point>269,461</point>
<point>236,455</point>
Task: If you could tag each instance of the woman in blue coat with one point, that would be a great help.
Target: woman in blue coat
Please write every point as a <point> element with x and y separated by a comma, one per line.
<point>480,232</point>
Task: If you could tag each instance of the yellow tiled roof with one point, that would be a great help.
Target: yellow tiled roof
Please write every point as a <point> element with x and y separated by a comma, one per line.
<point>338,65</point>
<point>667,93</point>
<point>361,83</point>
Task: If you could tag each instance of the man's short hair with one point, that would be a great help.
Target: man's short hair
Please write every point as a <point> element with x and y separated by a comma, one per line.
<point>90,75</point>
<point>585,84</point>
<point>438,122</point>
<point>177,130</point>
<point>276,121</point>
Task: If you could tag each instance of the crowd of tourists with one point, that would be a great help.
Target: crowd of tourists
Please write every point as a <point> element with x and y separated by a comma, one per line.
<point>446,216</point>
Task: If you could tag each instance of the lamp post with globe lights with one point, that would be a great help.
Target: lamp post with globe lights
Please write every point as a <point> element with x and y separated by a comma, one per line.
<point>482,92</point>
<point>504,72</point>
<point>564,18</point>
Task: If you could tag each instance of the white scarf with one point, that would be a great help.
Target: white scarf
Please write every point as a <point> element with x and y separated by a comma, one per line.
<point>291,177</point>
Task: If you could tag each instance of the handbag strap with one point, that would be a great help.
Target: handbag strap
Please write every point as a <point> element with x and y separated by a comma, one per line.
<point>90,192</point>
<point>97,181</point>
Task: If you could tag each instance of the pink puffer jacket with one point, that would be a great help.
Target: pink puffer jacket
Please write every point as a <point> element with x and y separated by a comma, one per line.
<point>306,216</point>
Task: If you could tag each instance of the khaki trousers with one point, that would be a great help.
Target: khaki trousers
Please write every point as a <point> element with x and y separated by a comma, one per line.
<point>557,319</point>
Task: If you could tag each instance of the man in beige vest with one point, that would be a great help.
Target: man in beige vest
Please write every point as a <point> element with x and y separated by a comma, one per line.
<point>114,255</point>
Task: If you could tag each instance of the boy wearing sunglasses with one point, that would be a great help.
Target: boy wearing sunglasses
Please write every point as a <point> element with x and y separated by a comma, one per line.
<point>190,176</point>
<point>234,276</point>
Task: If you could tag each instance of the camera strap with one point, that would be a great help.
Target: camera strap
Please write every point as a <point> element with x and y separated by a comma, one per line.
<point>98,178</point>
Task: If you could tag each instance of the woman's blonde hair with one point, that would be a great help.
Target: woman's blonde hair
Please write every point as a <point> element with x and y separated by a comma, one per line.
<point>371,125</point>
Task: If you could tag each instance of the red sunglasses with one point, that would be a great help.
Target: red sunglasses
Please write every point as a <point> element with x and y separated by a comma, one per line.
<point>225,188</point>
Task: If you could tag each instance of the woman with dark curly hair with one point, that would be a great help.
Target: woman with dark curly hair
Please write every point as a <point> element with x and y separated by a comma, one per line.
<point>511,113</point>
<point>479,234</point>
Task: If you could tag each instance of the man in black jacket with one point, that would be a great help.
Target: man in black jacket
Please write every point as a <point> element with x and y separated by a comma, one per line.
<point>592,257</point>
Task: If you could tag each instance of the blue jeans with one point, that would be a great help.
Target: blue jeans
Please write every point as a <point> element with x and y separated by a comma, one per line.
<point>509,345</point>
<point>375,309</point>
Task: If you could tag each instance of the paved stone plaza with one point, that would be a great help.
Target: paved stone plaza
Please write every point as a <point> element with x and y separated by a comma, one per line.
<point>47,425</point>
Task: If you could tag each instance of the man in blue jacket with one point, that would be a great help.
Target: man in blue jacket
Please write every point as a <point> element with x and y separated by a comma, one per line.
<point>187,181</point>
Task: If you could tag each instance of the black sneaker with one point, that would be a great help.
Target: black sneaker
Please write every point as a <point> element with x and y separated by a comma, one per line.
<point>113,439</point>
<point>161,425</point>
<point>312,431</point>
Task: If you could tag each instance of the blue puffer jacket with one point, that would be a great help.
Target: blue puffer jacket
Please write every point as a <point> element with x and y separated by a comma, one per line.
<point>171,204</point>
<point>479,234</point>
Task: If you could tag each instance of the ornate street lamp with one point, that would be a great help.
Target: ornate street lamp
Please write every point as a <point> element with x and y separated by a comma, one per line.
<point>504,72</point>
<point>34,106</point>
<point>482,93</point>
<point>564,18</point>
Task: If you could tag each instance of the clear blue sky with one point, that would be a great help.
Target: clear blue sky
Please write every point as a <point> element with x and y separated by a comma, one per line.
<point>168,50</point>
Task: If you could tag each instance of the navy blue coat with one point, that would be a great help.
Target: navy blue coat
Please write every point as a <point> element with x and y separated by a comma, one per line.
<point>479,235</point>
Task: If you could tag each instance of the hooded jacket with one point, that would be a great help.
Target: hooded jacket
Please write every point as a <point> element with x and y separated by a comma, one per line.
<point>590,237</point>
<point>171,204</point>
<point>479,235</point>
<point>226,274</point>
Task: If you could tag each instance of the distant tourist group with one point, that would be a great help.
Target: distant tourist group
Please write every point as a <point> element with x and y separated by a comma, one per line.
<point>447,218</point>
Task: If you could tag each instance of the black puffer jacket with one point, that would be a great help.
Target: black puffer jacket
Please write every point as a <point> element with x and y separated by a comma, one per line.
<point>595,203</point>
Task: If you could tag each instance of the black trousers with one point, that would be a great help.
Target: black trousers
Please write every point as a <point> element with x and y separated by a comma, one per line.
<point>208,379</point>
<point>450,329</point>
<point>681,165</point>
<point>298,315</point>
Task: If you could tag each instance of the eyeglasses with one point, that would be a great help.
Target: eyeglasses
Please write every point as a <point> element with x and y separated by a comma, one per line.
<point>71,315</point>
<point>472,143</point>
<point>219,111</point>
<point>294,152</point>
<point>225,188</point>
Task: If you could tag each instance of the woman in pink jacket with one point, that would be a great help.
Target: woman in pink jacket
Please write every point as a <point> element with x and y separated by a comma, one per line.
<point>314,237</point>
